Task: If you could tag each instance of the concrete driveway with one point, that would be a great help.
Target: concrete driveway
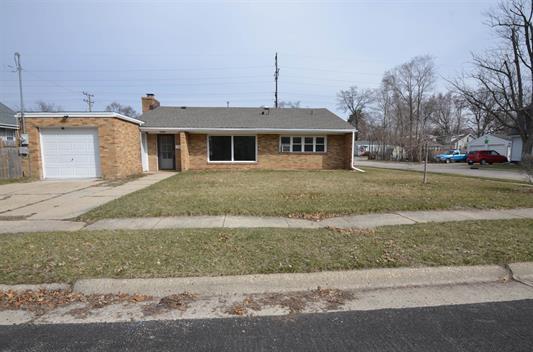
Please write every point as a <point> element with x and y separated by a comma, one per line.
<point>59,200</point>
<point>462,169</point>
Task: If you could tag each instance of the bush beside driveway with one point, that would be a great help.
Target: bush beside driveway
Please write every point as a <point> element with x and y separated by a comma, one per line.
<point>67,256</point>
<point>311,194</point>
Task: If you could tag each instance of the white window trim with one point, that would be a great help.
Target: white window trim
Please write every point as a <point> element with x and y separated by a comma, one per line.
<point>209,161</point>
<point>302,151</point>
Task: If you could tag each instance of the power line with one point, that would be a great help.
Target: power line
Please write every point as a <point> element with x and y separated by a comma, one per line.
<point>157,69</point>
<point>51,82</point>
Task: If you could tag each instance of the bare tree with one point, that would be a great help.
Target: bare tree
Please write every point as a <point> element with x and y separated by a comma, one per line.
<point>506,73</point>
<point>411,82</point>
<point>43,106</point>
<point>447,116</point>
<point>480,121</point>
<point>289,104</point>
<point>121,109</point>
<point>354,102</point>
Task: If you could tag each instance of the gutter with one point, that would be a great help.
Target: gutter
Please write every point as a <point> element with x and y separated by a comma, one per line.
<point>86,114</point>
<point>7,125</point>
<point>222,129</point>
<point>353,152</point>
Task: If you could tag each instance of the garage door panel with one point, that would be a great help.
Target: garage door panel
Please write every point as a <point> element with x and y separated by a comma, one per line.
<point>70,152</point>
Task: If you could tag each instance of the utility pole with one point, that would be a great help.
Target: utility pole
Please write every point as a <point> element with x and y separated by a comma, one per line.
<point>276,75</point>
<point>89,100</point>
<point>22,124</point>
<point>18,67</point>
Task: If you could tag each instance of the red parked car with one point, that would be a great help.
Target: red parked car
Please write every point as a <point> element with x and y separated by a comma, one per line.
<point>485,157</point>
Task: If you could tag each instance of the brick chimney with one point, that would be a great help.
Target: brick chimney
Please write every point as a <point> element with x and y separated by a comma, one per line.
<point>149,102</point>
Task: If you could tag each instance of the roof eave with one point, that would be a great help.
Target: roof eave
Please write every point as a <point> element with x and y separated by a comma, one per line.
<point>82,114</point>
<point>10,126</point>
<point>241,130</point>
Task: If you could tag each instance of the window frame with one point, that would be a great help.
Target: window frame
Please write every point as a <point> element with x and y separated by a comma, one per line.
<point>232,161</point>
<point>302,144</point>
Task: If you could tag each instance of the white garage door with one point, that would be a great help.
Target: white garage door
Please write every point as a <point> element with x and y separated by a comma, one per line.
<point>70,152</point>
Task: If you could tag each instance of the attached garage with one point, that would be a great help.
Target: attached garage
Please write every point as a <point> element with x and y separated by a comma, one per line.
<point>70,153</point>
<point>83,145</point>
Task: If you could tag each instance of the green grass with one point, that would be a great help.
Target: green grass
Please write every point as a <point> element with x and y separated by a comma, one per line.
<point>6,181</point>
<point>310,193</point>
<point>500,167</point>
<point>65,257</point>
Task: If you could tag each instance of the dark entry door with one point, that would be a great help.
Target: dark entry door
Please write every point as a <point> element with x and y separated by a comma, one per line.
<point>166,151</point>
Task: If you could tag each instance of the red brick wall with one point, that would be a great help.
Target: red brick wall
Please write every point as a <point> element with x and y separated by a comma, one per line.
<point>269,157</point>
<point>184,151</point>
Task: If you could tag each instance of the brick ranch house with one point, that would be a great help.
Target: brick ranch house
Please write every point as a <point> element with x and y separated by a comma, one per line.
<point>111,145</point>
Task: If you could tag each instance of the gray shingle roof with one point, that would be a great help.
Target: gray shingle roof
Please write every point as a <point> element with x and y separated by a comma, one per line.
<point>7,116</point>
<point>253,118</point>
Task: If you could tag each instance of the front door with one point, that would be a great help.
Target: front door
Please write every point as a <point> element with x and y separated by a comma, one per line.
<point>166,151</point>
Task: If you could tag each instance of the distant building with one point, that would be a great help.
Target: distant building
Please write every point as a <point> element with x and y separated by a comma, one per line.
<point>8,124</point>
<point>501,144</point>
<point>461,141</point>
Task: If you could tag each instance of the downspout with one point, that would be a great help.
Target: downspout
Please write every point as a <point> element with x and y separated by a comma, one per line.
<point>353,152</point>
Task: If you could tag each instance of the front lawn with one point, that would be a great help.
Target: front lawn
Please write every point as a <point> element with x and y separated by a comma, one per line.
<point>311,193</point>
<point>65,257</point>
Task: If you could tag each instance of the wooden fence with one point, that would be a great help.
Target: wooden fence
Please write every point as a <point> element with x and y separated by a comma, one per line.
<point>10,160</point>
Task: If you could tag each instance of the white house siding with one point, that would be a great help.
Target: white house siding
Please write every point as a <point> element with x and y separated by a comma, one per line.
<point>516,148</point>
<point>462,143</point>
<point>490,142</point>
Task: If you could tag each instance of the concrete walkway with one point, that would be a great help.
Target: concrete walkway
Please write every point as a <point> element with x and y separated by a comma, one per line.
<point>66,199</point>
<point>462,169</point>
<point>228,221</point>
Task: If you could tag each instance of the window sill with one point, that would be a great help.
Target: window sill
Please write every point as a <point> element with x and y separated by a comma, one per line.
<point>231,162</point>
<point>304,153</point>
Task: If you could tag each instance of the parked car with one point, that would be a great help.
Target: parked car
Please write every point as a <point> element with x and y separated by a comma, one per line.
<point>454,155</point>
<point>485,157</point>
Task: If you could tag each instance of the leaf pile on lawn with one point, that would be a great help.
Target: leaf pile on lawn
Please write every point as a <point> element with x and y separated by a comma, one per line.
<point>43,301</point>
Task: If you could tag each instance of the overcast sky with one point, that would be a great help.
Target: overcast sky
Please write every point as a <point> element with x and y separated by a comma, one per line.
<point>204,53</point>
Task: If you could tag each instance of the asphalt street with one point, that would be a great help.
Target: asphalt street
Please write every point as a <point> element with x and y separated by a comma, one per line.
<point>506,326</point>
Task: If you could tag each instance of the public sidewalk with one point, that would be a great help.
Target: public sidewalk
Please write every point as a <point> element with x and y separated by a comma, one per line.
<point>228,221</point>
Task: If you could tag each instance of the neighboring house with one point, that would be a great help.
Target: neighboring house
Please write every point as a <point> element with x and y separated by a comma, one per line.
<point>461,141</point>
<point>364,147</point>
<point>111,145</point>
<point>378,151</point>
<point>8,124</point>
<point>491,142</point>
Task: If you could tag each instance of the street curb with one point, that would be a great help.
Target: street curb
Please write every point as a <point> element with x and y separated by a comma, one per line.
<point>522,272</point>
<point>24,287</point>
<point>367,279</point>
